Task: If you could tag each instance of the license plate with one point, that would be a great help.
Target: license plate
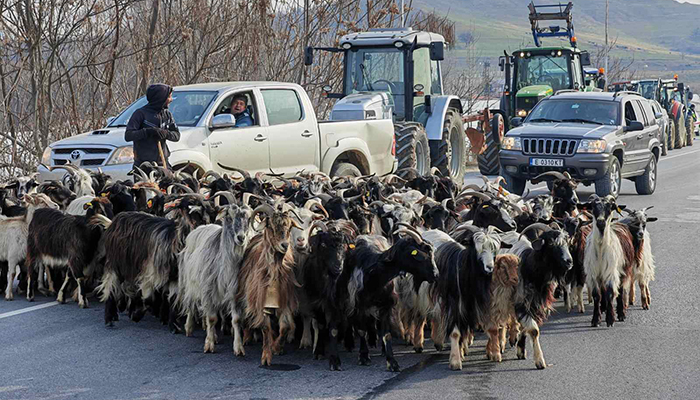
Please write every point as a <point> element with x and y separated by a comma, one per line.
<point>547,162</point>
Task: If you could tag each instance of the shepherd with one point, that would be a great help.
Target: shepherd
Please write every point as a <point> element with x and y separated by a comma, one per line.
<point>151,125</point>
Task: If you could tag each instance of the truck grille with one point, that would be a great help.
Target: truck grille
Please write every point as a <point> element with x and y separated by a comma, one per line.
<point>549,147</point>
<point>87,156</point>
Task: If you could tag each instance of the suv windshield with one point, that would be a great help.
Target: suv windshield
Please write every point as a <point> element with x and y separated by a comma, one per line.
<point>377,70</point>
<point>544,70</point>
<point>187,107</point>
<point>575,110</point>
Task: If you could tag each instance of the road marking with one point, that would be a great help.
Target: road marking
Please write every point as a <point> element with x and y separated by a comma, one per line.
<point>680,155</point>
<point>28,309</point>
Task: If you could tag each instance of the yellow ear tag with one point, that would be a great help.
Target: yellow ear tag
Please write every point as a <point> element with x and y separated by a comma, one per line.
<point>367,194</point>
<point>619,210</point>
<point>352,246</point>
<point>149,203</point>
<point>87,205</point>
<point>104,194</point>
<point>414,252</point>
<point>485,206</point>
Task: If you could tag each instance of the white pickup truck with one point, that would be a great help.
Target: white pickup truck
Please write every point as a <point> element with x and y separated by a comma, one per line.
<point>286,136</point>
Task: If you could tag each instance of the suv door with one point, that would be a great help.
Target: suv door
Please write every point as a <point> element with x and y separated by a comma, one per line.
<point>247,147</point>
<point>629,138</point>
<point>642,150</point>
<point>294,141</point>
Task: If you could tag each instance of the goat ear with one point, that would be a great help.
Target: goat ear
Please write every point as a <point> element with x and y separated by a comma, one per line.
<point>583,206</point>
<point>505,245</point>
<point>537,244</point>
<point>652,219</point>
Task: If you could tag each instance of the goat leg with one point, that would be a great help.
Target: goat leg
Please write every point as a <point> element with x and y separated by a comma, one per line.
<point>266,358</point>
<point>31,278</point>
<point>632,296</point>
<point>437,333</point>
<point>364,349</point>
<point>493,347</point>
<point>349,339</point>
<point>522,339</point>
<point>82,296</point>
<point>596,307</point>
<point>579,299</point>
<point>621,304</point>
<point>190,323</point>
<point>9,294</point>
<point>306,340</point>
<point>61,296</point>
<point>238,341</point>
<point>332,351</point>
<point>418,336</point>
<point>537,349</point>
<point>455,349</point>
<point>210,341</point>
<point>391,363</point>
<point>609,313</point>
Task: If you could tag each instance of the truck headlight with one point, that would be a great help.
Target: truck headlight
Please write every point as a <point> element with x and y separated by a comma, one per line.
<point>522,113</point>
<point>511,143</point>
<point>591,146</point>
<point>46,157</point>
<point>123,155</point>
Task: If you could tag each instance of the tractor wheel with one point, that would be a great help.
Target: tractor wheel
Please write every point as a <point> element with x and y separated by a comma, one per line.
<point>689,128</point>
<point>412,148</point>
<point>680,133</point>
<point>449,154</point>
<point>671,134</point>
<point>488,160</point>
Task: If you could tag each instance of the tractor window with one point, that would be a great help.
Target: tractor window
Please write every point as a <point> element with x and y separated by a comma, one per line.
<point>577,73</point>
<point>378,69</point>
<point>421,76</point>
<point>648,89</point>
<point>544,70</point>
<point>435,81</point>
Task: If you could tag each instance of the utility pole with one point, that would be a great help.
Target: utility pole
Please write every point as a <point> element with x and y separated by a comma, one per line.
<point>403,22</point>
<point>306,39</point>
<point>607,48</point>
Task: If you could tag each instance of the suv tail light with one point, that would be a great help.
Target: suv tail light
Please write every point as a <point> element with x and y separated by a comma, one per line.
<point>393,146</point>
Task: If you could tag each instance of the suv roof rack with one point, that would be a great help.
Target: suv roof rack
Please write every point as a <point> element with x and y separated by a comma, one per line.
<point>566,91</point>
<point>625,92</point>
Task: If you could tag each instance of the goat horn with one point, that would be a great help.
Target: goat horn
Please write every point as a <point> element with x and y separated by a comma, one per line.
<point>412,234</point>
<point>227,195</point>
<point>187,189</point>
<point>245,173</point>
<point>317,203</point>
<point>498,180</point>
<point>555,174</point>
<point>472,187</point>
<point>141,174</point>
<point>435,171</point>
<point>318,225</point>
<point>165,171</point>
<point>211,173</point>
<point>247,196</point>
<point>537,225</point>
<point>645,209</point>
<point>567,175</point>
<point>423,200</point>
<point>482,196</point>
<point>408,226</point>
<point>66,167</point>
<point>264,208</point>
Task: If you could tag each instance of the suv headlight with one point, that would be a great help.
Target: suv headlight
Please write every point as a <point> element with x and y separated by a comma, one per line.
<point>592,146</point>
<point>511,143</point>
<point>123,155</point>
<point>46,157</point>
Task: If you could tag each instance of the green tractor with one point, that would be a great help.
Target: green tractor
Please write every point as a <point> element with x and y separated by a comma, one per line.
<point>403,66</point>
<point>531,74</point>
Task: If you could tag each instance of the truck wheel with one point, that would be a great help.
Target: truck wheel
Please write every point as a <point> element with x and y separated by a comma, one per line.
<point>610,183</point>
<point>646,184</point>
<point>488,160</point>
<point>449,154</point>
<point>412,148</point>
<point>664,141</point>
<point>513,184</point>
<point>345,169</point>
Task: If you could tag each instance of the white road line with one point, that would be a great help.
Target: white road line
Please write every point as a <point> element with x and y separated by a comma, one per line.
<point>679,155</point>
<point>28,309</point>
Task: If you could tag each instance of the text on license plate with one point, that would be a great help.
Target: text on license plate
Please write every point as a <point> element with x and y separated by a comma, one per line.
<point>547,162</point>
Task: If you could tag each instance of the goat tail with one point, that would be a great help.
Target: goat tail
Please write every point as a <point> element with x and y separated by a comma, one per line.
<point>109,286</point>
<point>646,270</point>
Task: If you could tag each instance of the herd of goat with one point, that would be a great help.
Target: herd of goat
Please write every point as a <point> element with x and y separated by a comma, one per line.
<point>342,258</point>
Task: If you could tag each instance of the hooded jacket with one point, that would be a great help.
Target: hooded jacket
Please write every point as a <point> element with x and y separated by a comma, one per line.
<point>155,114</point>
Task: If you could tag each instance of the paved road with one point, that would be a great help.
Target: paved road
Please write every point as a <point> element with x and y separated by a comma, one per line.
<point>59,351</point>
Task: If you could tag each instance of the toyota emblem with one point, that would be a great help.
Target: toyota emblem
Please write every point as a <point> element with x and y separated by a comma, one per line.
<point>75,154</point>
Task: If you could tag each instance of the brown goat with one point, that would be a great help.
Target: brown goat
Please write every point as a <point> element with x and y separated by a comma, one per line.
<point>267,282</point>
<point>502,311</point>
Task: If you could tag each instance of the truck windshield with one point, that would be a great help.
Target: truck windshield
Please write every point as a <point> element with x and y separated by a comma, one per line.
<point>574,110</point>
<point>187,107</point>
<point>377,70</point>
<point>544,70</point>
<point>647,89</point>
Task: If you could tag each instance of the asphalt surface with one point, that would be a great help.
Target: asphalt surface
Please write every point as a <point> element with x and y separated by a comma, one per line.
<point>50,351</point>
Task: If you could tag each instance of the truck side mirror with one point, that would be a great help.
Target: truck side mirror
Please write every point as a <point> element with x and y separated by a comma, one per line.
<point>516,122</point>
<point>110,120</point>
<point>585,58</point>
<point>437,51</point>
<point>634,126</point>
<point>502,63</point>
<point>308,56</point>
<point>221,121</point>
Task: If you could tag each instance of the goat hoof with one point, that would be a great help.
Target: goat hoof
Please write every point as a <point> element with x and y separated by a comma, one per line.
<point>109,324</point>
<point>334,363</point>
<point>456,366</point>
<point>438,347</point>
<point>392,366</point>
<point>540,365</point>
<point>418,349</point>
<point>364,360</point>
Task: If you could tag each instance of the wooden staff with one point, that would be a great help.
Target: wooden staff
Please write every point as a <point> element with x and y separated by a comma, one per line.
<point>162,155</point>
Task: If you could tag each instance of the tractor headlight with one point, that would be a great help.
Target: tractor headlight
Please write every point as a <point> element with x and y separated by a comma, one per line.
<point>511,143</point>
<point>591,146</point>
<point>522,113</point>
<point>46,157</point>
<point>123,155</point>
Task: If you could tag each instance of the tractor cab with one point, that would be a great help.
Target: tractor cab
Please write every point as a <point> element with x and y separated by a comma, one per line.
<point>594,78</point>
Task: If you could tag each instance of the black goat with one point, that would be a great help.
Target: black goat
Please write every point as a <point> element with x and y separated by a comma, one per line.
<point>488,211</point>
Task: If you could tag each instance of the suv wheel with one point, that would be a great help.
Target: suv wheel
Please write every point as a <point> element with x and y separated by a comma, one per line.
<point>513,184</point>
<point>611,182</point>
<point>664,141</point>
<point>646,184</point>
<point>345,169</point>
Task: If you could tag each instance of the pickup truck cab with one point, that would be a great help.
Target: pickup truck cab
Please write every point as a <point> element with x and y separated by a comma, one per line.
<point>286,136</point>
<point>598,138</point>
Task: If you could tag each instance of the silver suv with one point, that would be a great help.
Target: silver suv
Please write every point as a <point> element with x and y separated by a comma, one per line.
<point>598,138</point>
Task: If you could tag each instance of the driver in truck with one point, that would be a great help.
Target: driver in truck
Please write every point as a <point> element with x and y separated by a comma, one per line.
<point>239,109</point>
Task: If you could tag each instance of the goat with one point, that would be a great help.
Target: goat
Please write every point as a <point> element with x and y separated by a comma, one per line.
<point>365,291</point>
<point>563,190</point>
<point>267,281</point>
<point>504,283</point>
<point>57,192</point>
<point>543,262</point>
<point>77,180</point>
<point>463,290</point>
<point>488,211</point>
<point>13,238</point>
<point>56,239</point>
<point>208,270</point>
<point>645,267</point>
<point>609,260</point>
